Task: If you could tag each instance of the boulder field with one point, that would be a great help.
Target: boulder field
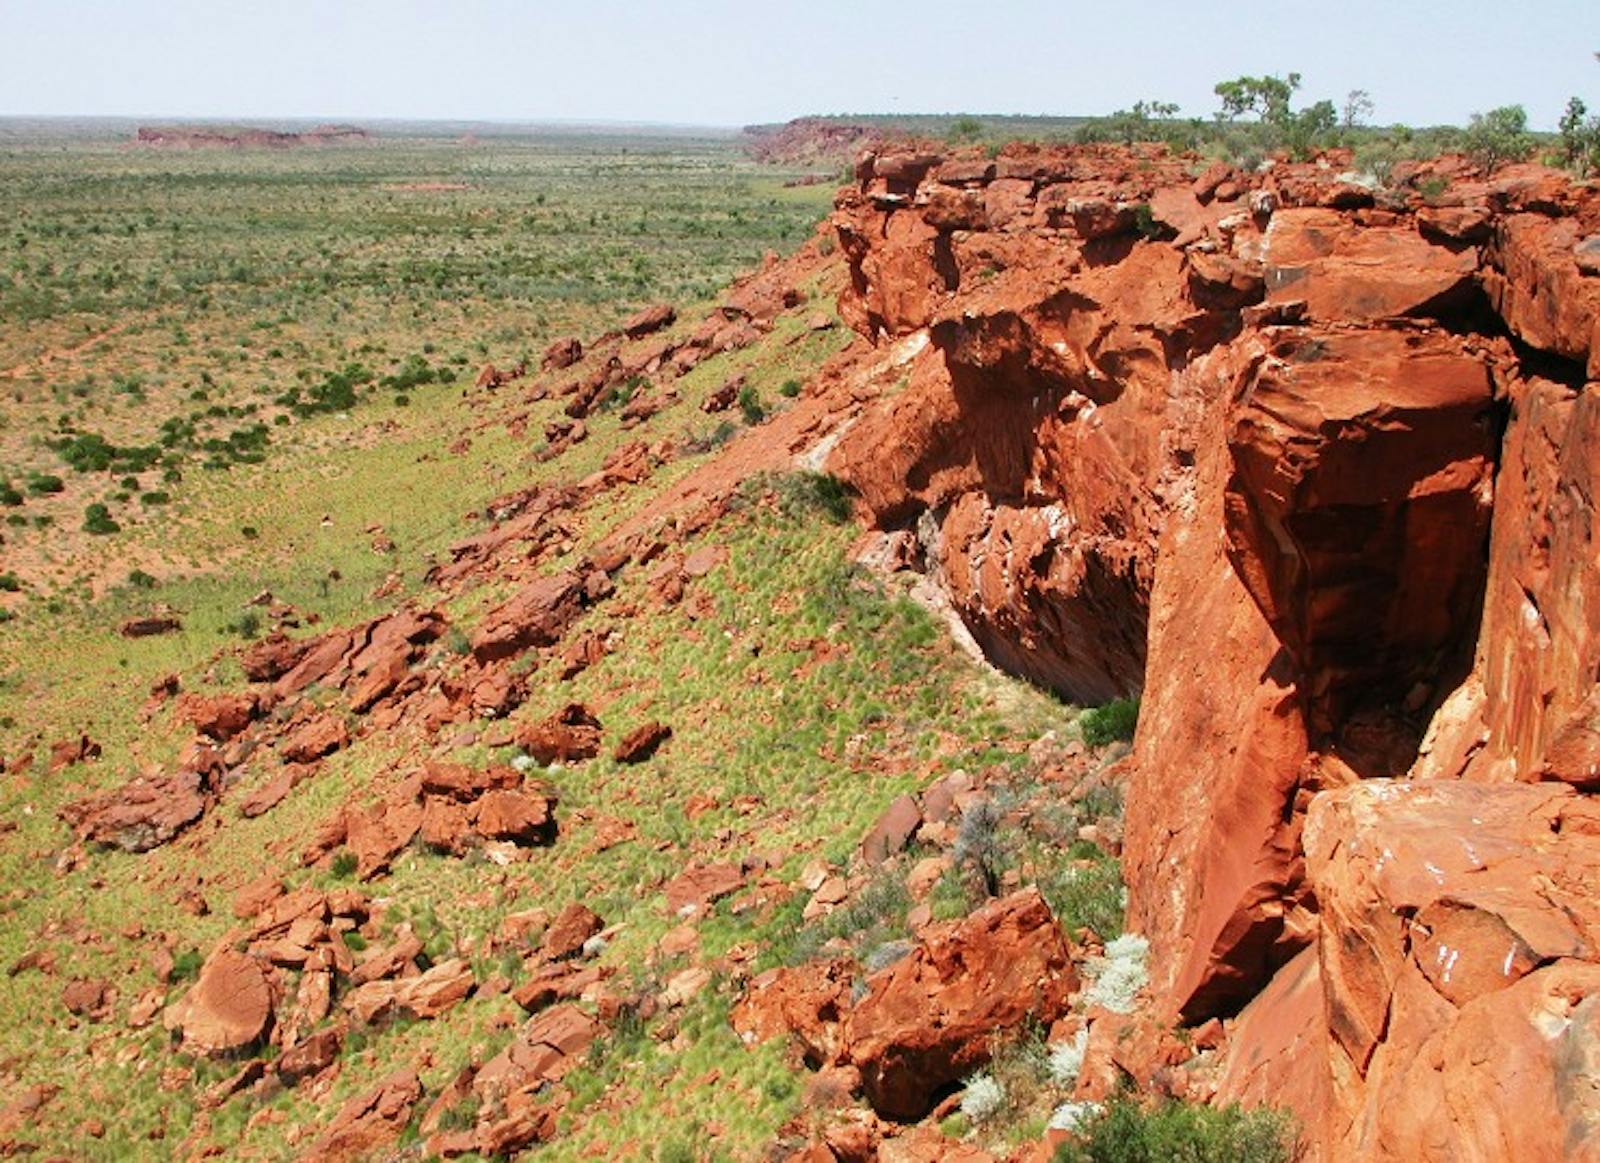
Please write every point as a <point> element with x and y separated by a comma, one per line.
<point>1310,467</point>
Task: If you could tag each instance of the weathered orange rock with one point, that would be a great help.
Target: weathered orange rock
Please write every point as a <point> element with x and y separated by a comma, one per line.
<point>1539,646</point>
<point>523,816</point>
<point>228,1008</point>
<point>1363,465</point>
<point>320,735</point>
<point>65,753</point>
<point>545,1049</point>
<point>371,1120</point>
<point>309,1057</point>
<point>806,1002</point>
<point>1346,272</point>
<point>537,615</point>
<point>932,1017</point>
<point>140,815</point>
<point>570,734</point>
<point>566,935</point>
<point>219,716</point>
<point>1210,860</point>
<point>700,885</point>
<point>1536,285</point>
<point>563,353</point>
<point>1457,952</point>
<point>642,742</point>
<point>893,831</point>
<point>649,320</point>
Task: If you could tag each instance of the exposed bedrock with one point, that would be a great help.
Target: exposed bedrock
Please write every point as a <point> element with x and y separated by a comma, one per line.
<point>1312,469</point>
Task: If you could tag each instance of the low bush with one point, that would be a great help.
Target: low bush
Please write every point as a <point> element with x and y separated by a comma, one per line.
<point>751,406</point>
<point>803,493</point>
<point>97,520</point>
<point>1126,1131</point>
<point>1108,724</point>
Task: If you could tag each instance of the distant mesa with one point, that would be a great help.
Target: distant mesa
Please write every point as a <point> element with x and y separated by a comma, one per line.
<point>213,137</point>
<point>809,140</point>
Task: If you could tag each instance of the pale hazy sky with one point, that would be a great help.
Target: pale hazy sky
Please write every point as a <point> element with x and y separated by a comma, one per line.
<point>726,63</point>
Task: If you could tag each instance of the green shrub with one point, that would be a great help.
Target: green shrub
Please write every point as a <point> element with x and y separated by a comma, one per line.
<point>1116,720</point>
<point>803,493</point>
<point>1125,1131</point>
<point>140,580</point>
<point>966,129</point>
<point>8,494</point>
<point>10,582</point>
<point>97,519</point>
<point>42,483</point>
<point>790,389</point>
<point>345,863</point>
<point>247,625</point>
<point>750,404</point>
<point>186,965</point>
<point>1497,137</point>
<point>1087,896</point>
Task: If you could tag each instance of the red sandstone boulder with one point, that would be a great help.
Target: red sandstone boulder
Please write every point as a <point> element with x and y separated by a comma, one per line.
<point>219,716</point>
<point>1359,505</point>
<point>1210,850</point>
<point>893,831</point>
<point>320,735</point>
<point>310,1057</point>
<point>1538,289</point>
<point>931,1018</point>
<point>700,885</point>
<point>537,615</point>
<point>649,321</point>
<point>65,753</point>
<point>370,1121</point>
<point>570,734</point>
<point>807,1002</point>
<point>273,657</point>
<point>150,626</point>
<point>563,353</point>
<point>520,816</point>
<point>642,742</point>
<point>1457,952</point>
<point>567,933</point>
<point>1539,646</point>
<point>545,1049</point>
<point>1345,272</point>
<point>228,1009</point>
<point>140,815</point>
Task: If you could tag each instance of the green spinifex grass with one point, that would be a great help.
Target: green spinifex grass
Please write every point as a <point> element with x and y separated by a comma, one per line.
<point>168,318</point>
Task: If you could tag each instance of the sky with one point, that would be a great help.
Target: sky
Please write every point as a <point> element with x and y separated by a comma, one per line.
<point>720,62</point>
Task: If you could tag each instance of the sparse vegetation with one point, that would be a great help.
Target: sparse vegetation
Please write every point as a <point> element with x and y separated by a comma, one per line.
<point>1115,721</point>
<point>1129,1131</point>
<point>1497,137</point>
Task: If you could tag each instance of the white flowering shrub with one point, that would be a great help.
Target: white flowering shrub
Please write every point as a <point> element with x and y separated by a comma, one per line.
<point>982,1099</point>
<point>1069,1116</point>
<point>1119,975</point>
<point>1066,1060</point>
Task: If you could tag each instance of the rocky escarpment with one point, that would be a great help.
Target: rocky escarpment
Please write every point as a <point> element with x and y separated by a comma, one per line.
<point>1311,467</point>
<point>207,137</point>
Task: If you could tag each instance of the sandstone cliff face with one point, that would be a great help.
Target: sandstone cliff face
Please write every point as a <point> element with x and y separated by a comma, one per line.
<point>1313,470</point>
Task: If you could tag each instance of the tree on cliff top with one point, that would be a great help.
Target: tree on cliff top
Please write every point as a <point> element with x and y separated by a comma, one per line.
<point>1268,99</point>
<point>1497,137</point>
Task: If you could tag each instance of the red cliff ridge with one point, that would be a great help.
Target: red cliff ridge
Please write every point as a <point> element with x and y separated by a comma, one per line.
<point>1311,468</point>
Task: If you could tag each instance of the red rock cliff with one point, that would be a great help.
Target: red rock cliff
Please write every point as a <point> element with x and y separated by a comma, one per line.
<point>1313,469</point>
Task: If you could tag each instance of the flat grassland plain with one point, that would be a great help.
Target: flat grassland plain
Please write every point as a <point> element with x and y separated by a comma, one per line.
<point>229,372</point>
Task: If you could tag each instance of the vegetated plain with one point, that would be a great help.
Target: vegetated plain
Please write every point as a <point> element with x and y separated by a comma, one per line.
<point>169,316</point>
<point>261,366</point>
